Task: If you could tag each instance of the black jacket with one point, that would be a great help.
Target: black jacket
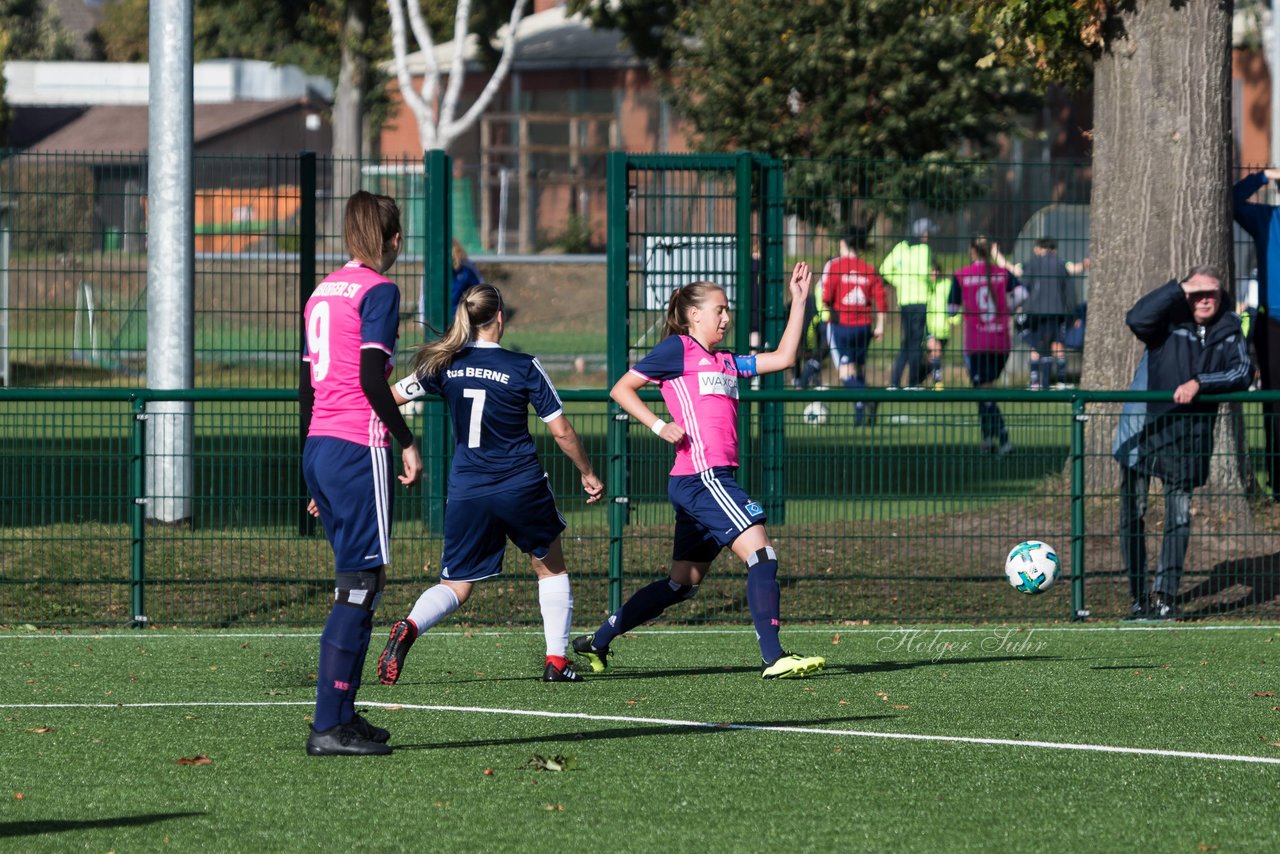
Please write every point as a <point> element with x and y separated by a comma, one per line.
<point>1174,442</point>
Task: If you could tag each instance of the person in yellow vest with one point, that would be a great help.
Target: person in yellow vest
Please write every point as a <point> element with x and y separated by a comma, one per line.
<point>938,323</point>
<point>908,268</point>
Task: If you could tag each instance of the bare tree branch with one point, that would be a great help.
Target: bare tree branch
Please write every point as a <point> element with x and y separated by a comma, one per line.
<point>437,128</point>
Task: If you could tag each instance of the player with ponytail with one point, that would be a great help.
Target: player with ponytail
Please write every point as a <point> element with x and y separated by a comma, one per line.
<point>699,385</point>
<point>498,488</point>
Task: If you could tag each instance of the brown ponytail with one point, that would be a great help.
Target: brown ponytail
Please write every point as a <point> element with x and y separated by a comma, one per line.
<point>369,224</point>
<point>683,299</point>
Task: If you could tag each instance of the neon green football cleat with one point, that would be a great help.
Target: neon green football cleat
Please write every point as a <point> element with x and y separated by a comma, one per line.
<point>792,666</point>
<point>597,658</point>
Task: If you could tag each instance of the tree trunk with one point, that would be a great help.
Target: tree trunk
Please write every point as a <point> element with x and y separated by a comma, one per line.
<point>1161,196</point>
<point>348,110</point>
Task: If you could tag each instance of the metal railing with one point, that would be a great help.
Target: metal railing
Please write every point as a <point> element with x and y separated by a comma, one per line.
<point>905,516</point>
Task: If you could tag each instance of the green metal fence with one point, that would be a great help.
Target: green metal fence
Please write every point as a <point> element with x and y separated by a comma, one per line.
<point>908,518</point>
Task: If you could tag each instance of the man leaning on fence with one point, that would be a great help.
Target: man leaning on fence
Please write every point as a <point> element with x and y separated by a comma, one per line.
<point>1194,345</point>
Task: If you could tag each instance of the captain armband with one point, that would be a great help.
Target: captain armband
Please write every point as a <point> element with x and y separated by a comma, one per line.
<point>410,388</point>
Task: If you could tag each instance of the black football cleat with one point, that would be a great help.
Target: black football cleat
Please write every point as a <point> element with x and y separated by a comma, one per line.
<point>555,674</point>
<point>344,740</point>
<point>391,662</point>
<point>368,730</point>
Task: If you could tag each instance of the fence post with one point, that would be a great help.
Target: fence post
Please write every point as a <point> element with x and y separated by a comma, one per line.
<point>306,286</point>
<point>773,445</point>
<point>1078,420</point>
<point>138,508</point>
<point>437,261</point>
<point>616,254</point>
<point>744,172</point>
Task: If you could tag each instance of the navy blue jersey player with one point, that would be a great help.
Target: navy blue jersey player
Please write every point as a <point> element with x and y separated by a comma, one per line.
<point>497,487</point>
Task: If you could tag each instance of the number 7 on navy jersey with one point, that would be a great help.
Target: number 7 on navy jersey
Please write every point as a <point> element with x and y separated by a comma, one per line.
<point>476,395</point>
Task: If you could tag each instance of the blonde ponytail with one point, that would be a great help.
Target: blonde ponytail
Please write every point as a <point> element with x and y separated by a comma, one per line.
<point>477,308</point>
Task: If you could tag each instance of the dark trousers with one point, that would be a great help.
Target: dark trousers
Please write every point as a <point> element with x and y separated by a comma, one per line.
<point>1133,535</point>
<point>911,355</point>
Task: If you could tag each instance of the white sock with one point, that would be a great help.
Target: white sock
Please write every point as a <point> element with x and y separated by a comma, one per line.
<point>556,601</point>
<point>432,606</point>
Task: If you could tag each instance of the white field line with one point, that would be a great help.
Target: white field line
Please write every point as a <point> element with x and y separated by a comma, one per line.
<point>676,722</point>
<point>213,634</point>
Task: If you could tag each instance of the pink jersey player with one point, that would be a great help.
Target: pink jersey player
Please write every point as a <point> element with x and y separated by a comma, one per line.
<point>352,309</point>
<point>700,387</point>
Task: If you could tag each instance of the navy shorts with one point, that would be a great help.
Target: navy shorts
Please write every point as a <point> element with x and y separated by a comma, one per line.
<point>351,484</point>
<point>476,530</point>
<point>985,367</point>
<point>712,510</point>
<point>1042,330</point>
<point>849,343</point>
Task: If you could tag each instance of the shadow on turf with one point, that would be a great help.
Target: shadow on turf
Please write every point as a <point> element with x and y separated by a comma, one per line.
<point>853,669</point>
<point>1259,573</point>
<point>635,732</point>
<point>10,829</point>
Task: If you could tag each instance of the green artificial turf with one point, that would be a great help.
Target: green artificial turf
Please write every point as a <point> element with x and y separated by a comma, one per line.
<point>680,747</point>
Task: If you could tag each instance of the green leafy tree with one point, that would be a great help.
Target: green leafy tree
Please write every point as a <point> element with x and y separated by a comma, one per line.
<point>6,113</point>
<point>34,31</point>
<point>888,81</point>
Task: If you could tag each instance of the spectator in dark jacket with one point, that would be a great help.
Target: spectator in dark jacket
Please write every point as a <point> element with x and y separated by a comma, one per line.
<point>1194,345</point>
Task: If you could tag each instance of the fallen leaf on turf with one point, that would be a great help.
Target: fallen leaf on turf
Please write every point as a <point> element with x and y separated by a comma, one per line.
<point>902,707</point>
<point>835,640</point>
<point>43,729</point>
<point>1264,693</point>
<point>551,763</point>
<point>17,796</point>
<point>195,760</point>
<point>554,807</point>
<point>844,702</point>
<point>488,772</point>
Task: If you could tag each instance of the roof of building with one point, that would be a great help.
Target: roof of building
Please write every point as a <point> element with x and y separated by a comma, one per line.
<point>124,129</point>
<point>547,40</point>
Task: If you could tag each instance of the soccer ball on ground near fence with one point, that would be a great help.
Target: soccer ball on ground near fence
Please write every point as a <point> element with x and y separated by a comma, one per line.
<point>815,413</point>
<point>1031,567</point>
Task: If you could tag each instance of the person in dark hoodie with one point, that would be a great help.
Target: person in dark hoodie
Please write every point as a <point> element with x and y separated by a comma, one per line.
<point>1194,345</point>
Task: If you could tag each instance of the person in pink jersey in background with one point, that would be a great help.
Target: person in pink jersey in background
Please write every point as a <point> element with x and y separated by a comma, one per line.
<point>982,292</point>
<point>699,385</point>
<point>352,321</point>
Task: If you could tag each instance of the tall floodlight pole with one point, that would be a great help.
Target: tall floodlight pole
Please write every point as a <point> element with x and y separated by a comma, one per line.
<point>170,256</point>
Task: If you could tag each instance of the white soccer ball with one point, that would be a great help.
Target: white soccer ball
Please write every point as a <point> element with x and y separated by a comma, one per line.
<point>1031,567</point>
<point>815,414</point>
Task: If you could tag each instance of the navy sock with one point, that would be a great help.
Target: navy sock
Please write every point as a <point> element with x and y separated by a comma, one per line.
<point>764,601</point>
<point>357,667</point>
<point>341,645</point>
<point>644,605</point>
